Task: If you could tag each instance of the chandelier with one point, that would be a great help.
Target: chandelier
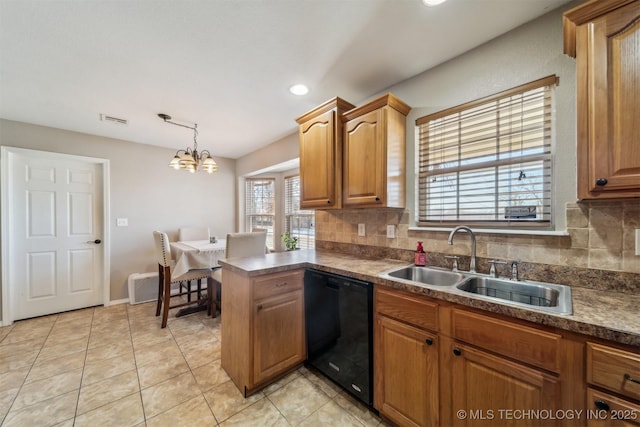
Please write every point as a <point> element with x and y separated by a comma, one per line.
<point>191,159</point>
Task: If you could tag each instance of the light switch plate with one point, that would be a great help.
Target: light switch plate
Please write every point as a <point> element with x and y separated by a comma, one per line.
<point>122,222</point>
<point>391,231</point>
<point>360,229</point>
<point>637,241</point>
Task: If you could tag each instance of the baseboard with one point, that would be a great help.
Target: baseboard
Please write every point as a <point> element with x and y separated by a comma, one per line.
<point>118,301</point>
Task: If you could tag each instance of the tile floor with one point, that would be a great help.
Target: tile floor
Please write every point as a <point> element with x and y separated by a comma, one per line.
<point>114,366</point>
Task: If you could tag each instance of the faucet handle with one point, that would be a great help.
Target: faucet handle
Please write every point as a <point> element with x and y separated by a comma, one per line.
<point>514,269</point>
<point>455,261</point>
<point>492,271</point>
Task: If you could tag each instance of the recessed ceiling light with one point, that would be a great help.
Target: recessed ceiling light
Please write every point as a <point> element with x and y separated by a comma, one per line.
<point>299,89</point>
<point>433,2</point>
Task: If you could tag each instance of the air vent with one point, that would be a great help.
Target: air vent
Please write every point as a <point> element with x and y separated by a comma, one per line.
<point>111,119</point>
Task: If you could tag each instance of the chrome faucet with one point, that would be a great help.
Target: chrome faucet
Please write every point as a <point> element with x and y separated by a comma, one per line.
<point>472,264</point>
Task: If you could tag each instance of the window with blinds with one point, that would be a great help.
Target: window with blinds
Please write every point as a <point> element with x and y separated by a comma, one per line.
<point>488,162</point>
<point>298,222</point>
<point>260,206</point>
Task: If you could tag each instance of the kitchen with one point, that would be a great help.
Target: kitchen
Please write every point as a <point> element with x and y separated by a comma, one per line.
<point>600,234</point>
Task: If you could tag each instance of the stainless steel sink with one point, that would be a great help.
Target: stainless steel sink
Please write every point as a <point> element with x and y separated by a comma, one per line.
<point>543,296</point>
<point>425,275</point>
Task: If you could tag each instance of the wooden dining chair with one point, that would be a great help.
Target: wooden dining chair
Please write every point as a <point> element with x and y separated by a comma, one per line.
<point>240,245</point>
<point>165,280</point>
<point>193,233</point>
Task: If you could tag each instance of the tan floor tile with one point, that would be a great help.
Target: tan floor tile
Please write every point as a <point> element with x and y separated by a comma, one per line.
<point>201,355</point>
<point>13,378</point>
<point>187,340</point>
<point>6,399</point>
<point>98,340</point>
<point>19,336</point>
<point>49,368</point>
<point>331,414</point>
<point>210,375</point>
<point>66,423</point>
<point>330,388</point>
<point>120,325</point>
<point>261,413</point>
<point>103,369</point>
<point>47,388</point>
<point>281,382</point>
<point>35,323</point>
<point>162,370</point>
<point>107,391</point>
<point>20,347</point>
<point>104,352</point>
<point>76,316</point>
<point>226,400</point>
<point>357,409</point>
<point>121,413</point>
<point>153,337</point>
<point>185,325</point>
<point>193,412</point>
<point>298,399</point>
<point>17,361</point>
<point>64,335</point>
<point>50,412</point>
<point>154,353</point>
<point>164,396</point>
<point>62,349</point>
<point>4,331</point>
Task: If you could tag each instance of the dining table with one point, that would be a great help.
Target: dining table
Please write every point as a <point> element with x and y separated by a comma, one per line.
<point>196,254</point>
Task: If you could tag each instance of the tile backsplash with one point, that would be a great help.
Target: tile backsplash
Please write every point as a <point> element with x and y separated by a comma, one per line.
<point>601,236</point>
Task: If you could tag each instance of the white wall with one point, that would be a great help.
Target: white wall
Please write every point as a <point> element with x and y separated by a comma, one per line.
<point>144,190</point>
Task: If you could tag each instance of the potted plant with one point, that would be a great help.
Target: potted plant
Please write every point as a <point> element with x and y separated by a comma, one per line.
<point>290,242</point>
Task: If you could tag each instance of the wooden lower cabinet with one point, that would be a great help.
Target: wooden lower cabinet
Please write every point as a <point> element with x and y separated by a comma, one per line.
<point>262,326</point>
<point>406,372</point>
<point>278,341</point>
<point>488,390</point>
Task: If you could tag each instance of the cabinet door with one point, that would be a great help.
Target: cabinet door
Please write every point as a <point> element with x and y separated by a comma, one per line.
<point>320,170</point>
<point>608,60</point>
<point>364,160</point>
<point>406,373</point>
<point>278,335</point>
<point>485,388</point>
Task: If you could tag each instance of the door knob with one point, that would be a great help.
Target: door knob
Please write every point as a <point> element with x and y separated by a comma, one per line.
<point>97,241</point>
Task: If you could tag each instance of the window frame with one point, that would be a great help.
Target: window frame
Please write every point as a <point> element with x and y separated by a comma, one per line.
<point>421,186</point>
<point>305,241</point>
<point>249,224</point>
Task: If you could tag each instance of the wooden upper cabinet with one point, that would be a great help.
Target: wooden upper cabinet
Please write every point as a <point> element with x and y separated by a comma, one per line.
<point>604,36</point>
<point>374,154</point>
<point>321,155</point>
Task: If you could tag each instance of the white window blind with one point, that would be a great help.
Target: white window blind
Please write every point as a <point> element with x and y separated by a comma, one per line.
<point>260,206</point>
<point>488,162</point>
<point>298,222</point>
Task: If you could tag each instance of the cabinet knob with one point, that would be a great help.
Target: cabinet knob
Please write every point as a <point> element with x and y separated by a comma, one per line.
<point>377,199</point>
<point>601,182</point>
<point>260,307</point>
<point>328,202</point>
<point>602,405</point>
<point>429,341</point>
<point>457,351</point>
<point>630,378</point>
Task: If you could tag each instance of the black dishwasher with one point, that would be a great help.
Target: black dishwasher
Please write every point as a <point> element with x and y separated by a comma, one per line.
<point>339,327</point>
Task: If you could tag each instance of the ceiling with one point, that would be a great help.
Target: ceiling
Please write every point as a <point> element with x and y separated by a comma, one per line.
<point>223,64</point>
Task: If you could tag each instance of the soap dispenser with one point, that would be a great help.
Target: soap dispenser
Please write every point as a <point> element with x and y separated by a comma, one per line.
<point>420,256</point>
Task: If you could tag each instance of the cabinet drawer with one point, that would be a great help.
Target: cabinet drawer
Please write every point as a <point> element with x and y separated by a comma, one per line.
<point>407,307</point>
<point>613,369</point>
<point>609,411</point>
<point>277,283</point>
<point>528,345</point>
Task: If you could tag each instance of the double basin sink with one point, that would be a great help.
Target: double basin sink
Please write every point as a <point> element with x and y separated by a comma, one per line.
<point>547,297</point>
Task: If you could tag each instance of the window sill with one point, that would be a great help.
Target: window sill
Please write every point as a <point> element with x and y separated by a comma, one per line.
<point>497,231</point>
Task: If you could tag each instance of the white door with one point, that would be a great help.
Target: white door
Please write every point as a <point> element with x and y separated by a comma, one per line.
<point>56,224</point>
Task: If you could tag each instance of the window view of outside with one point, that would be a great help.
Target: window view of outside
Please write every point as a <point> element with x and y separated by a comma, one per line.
<point>260,206</point>
<point>299,223</point>
<point>489,162</point>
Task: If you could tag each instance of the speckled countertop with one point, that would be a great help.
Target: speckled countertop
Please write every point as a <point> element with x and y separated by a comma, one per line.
<point>604,314</point>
